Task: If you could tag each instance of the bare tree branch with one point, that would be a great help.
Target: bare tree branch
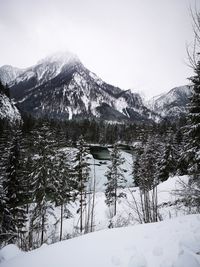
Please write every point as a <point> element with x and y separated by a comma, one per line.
<point>193,52</point>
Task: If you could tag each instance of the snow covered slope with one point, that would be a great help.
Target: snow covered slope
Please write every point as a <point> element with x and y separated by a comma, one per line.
<point>165,244</point>
<point>60,87</point>
<point>172,104</point>
<point>9,73</point>
<point>8,110</point>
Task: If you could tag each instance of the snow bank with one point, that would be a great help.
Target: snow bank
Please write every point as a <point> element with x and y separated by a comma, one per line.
<point>165,244</point>
<point>9,252</point>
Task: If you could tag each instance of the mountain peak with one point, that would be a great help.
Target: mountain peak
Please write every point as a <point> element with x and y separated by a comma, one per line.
<point>65,57</point>
<point>60,87</point>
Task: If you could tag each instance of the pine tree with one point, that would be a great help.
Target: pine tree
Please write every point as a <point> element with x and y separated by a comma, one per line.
<point>168,159</point>
<point>193,127</point>
<point>136,167</point>
<point>115,179</point>
<point>148,180</point>
<point>43,180</point>
<point>65,185</point>
<point>191,156</point>
<point>14,215</point>
<point>5,144</point>
<point>82,173</point>
<point>180,144</point>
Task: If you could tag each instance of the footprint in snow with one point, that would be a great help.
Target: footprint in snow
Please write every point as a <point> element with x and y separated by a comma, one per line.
<point>116,261</point>
<point>185,260</point>
<point>137,259</point>
<point>157,251</point>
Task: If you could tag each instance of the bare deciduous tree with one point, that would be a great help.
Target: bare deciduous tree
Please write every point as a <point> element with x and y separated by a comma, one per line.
<point>193,50</point>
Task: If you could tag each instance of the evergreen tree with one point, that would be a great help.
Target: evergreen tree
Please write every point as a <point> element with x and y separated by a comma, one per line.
<point>168,159</point>
<point>82,173</point>
<point>193,127</point>
<point>191,156</point>
<point>14,215</point>
<point>148,180</point>
<point>65,185</point>
<point>43,180</point>
<point>136,167</point>
<point>5,144</point>
<point>180,144</point>
<point>115,179</point>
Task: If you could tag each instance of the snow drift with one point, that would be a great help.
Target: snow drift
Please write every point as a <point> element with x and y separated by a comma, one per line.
<point>165,244</point>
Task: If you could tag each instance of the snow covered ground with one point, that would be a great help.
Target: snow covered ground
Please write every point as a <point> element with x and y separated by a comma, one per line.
<point>171,243</point>
<point>126,210</point>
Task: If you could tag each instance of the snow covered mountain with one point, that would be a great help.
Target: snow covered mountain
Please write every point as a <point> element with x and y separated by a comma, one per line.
<point>60,87</point>
<point>9,73</point>
<point>8,111</point>
<point>172,104</point>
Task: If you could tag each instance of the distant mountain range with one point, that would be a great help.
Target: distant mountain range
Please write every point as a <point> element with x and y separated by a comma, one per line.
<point>172,104</point>
<point>61,87</point>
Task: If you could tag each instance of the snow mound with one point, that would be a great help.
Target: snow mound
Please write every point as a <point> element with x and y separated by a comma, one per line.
<point>9,252</point>
<point>165,244</point>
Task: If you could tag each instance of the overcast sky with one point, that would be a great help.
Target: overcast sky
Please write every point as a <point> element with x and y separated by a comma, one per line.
<point>137,44</point>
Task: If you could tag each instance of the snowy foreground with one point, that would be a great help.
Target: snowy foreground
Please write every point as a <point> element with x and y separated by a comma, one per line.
<point>171,243</point>
<point>168,202</point>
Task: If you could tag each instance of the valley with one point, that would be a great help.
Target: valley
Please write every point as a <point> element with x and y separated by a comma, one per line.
<point>79,156</point>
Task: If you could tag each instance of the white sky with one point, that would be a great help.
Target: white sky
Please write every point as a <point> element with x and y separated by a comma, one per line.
<point>137,44</point>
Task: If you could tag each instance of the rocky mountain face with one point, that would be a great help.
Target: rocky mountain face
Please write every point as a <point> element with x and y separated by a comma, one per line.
<point>9,73</point>
<point>173,104</point>
<point>8,111</point>
<point>60,87</point>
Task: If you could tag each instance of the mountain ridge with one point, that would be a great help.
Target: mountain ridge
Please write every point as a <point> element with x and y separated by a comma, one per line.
<point>172,104</point>
<point>60,87</point>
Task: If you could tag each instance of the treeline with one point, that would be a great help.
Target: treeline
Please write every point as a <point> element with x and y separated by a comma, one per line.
<point>101,132</point>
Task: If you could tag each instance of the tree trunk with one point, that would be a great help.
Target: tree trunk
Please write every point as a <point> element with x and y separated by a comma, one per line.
<point>42,234</point>
<point>30,235</point>
<point>115,202</point>
<point>93,200</point>
<point>61,221</point>
<point>81,213</point>
<point>87,212</point>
